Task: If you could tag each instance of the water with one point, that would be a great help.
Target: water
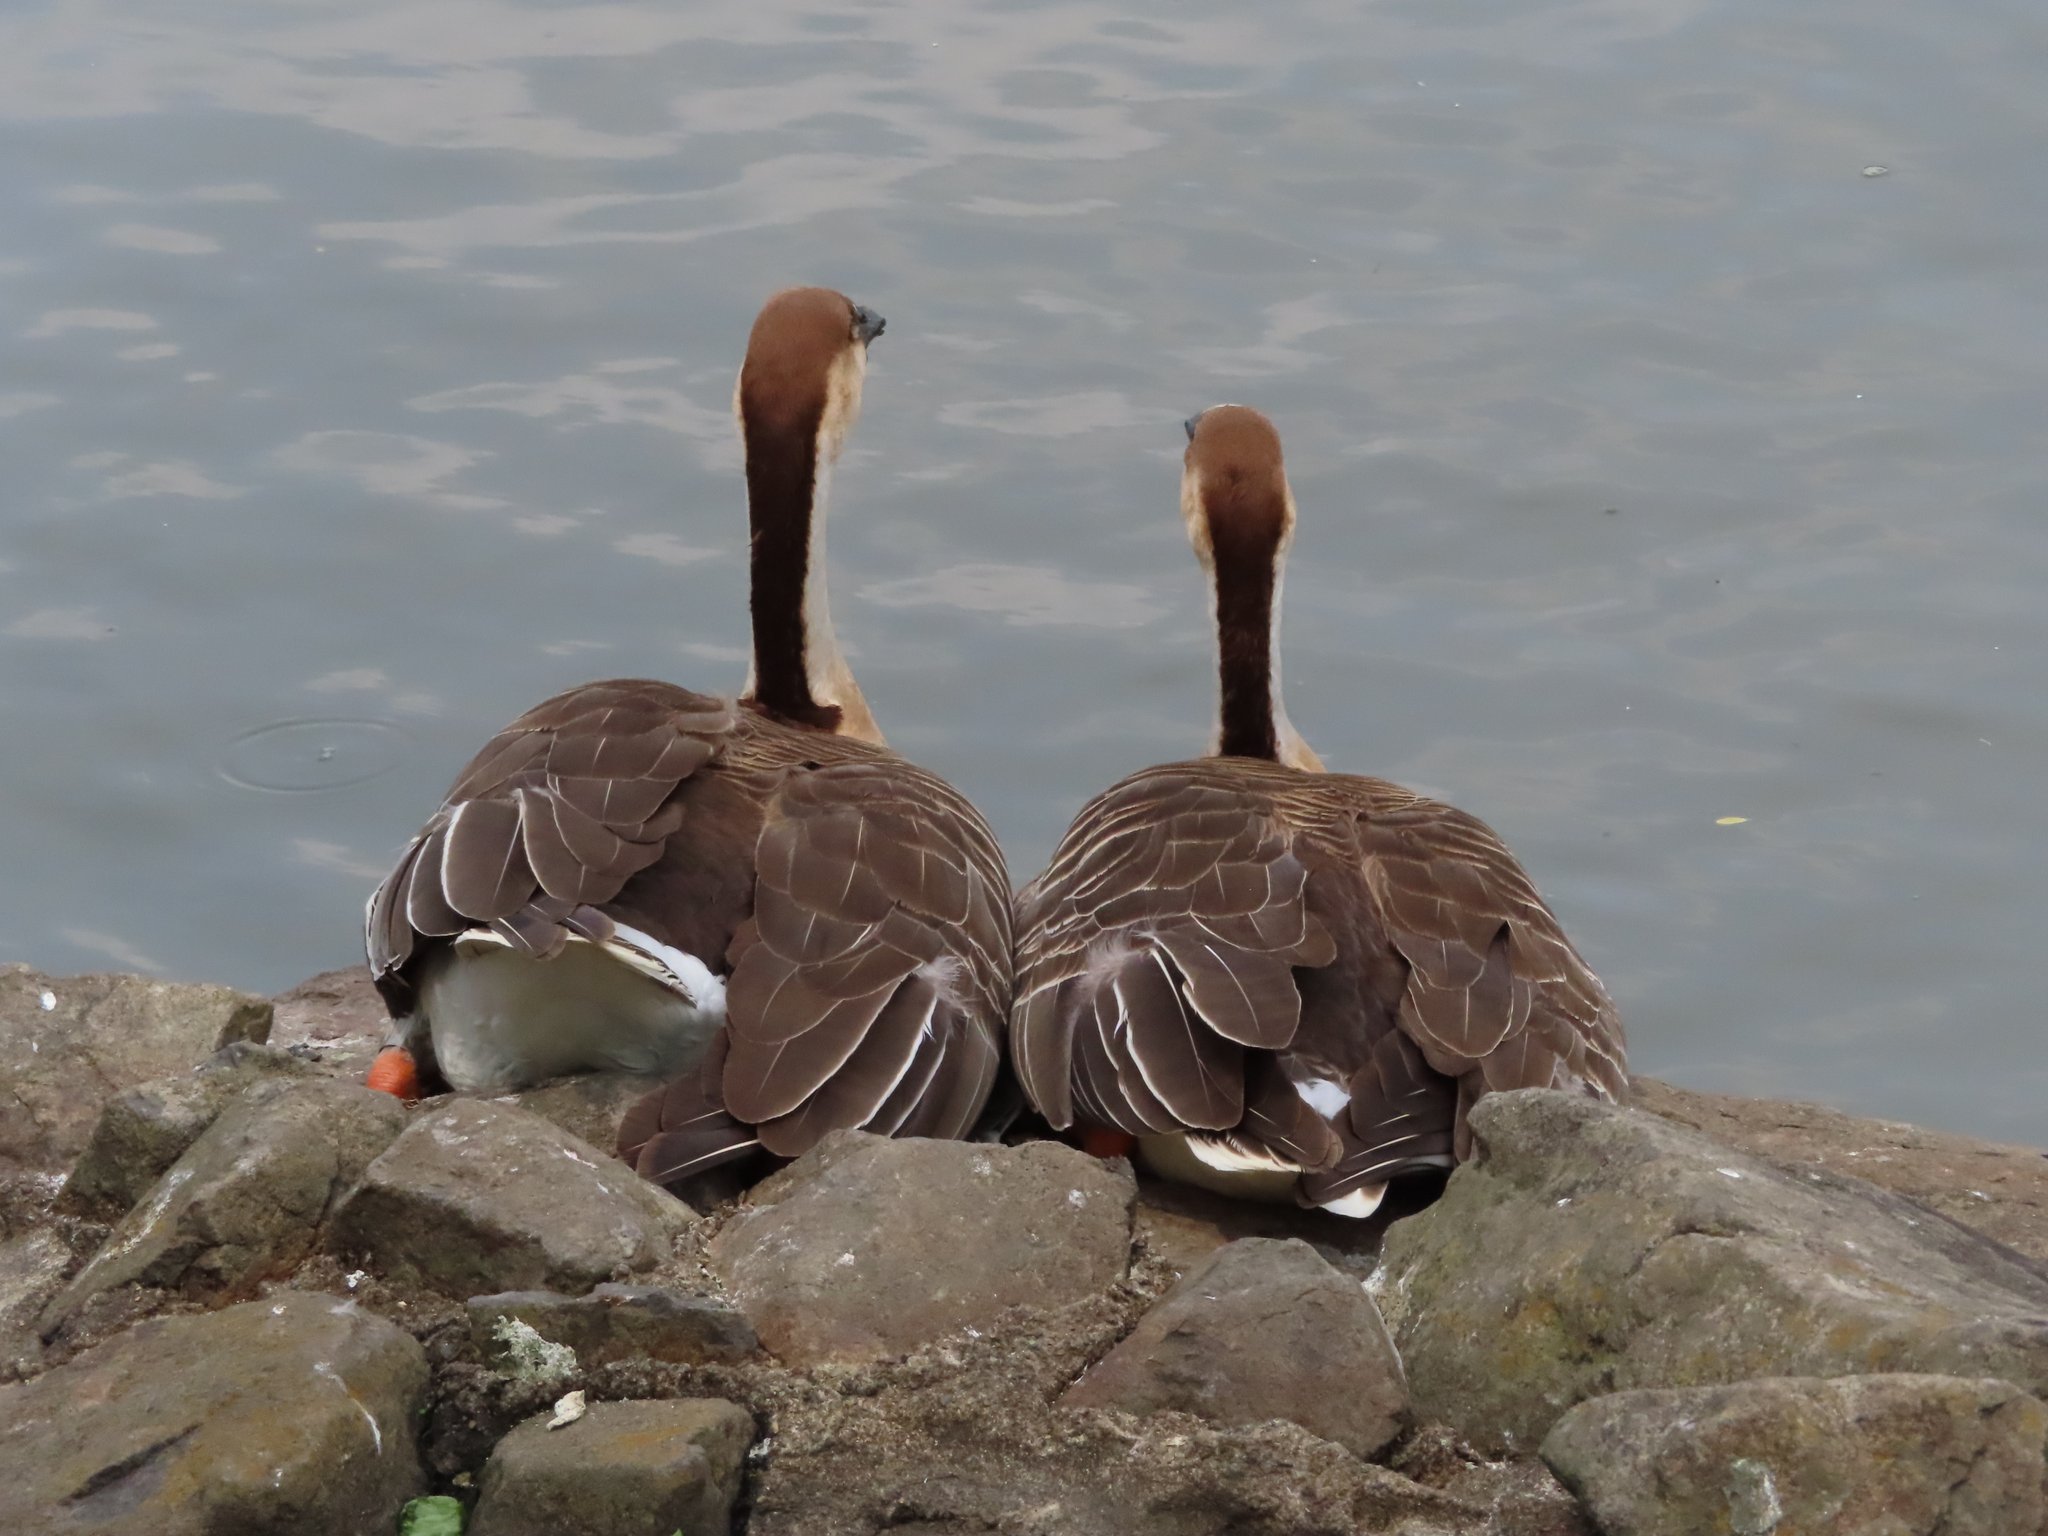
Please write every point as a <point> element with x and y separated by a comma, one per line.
<point>367,379</point>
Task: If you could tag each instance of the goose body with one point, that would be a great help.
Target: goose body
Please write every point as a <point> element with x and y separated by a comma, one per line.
<point>755,897</point>
<point>1286,983</point>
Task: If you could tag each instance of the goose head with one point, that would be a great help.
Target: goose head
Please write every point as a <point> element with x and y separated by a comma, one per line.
<point>807,357</point>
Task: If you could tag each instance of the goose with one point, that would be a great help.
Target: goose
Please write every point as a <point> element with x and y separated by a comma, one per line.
<point>754,897</point>
<point>1285,983</point>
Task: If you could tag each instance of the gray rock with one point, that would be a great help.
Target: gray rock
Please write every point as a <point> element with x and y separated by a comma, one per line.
<point>478,1197</point>
<point>618,1322</point>
<point>33,1268</point>
<point>589,1105</point>
<point>1855,1456</point>
<point>1262,1329</point>
<point>142,1132</point>
<point>1991,1187</point>
<point>245,1201</point>
<point>623,1469</point>
<point>1587,1249</point>
<point>99,1036</point>
<point>335,1019</point>
<point>867,1247</point>
<point>952,1475</point>
<point>1520,1498</point>
<point>290,1416</point>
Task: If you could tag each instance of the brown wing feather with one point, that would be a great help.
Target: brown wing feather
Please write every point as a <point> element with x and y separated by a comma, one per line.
<point>1496,997</point>
<point>1175,907</point>
<point>556,814</point>
<point>877,957</point>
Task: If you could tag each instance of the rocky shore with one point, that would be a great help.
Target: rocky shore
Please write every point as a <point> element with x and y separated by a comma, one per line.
<point>239,1292</point>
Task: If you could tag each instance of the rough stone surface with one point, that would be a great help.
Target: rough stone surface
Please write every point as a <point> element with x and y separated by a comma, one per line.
<point>1992,1187</point>
<point>100,1035</point>
<point>1263,1329</point>
<point>589,1105</point>
<point>623,1469</point>
<point>245,1201</point>
<point>335,1019</point>
<point>293,1415</point>
<point>1588,1249</point>
<point>1856,1456</point>
<point>867,1246</point>
<point>966,1437</point>
<point>953,1451</point>
<point>33,1268</point>
<point>478,1197</point>
<point>1520,1498</point>
<point>618,1322</point>
<point>142,1132</point>
<point>1184,1225</point>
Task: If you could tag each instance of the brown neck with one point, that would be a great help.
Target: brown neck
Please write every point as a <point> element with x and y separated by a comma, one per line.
<point>1244,647</point>
<point>782,465</point>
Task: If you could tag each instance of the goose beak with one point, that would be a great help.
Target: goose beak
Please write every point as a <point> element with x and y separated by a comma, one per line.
<point>867,325</point>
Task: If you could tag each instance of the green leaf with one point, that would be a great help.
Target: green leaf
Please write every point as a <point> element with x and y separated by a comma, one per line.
<point>435,1516</point>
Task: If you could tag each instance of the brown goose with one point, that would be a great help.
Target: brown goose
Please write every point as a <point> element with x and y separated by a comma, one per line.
<point>757,895</point>
<point>1286,983</point>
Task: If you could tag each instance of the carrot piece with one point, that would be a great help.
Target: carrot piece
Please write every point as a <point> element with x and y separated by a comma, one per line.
<point>396,1073</point>
<point>1107,1144</point>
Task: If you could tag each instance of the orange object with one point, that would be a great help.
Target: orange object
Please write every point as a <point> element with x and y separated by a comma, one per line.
<point>1107,1144</point>
<point>396,1073</point>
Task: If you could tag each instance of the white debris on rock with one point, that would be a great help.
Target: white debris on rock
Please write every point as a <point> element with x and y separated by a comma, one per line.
<point>568,1409</point>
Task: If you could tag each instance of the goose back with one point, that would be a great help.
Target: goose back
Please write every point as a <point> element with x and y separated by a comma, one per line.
<point>1305,971</point>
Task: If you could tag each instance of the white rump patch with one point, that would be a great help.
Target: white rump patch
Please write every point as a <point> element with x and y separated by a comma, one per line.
<point>1362,1201</point>
<point>1326,1098</point>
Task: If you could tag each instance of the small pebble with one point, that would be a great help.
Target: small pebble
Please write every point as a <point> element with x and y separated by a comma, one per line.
<point>49,1002</point>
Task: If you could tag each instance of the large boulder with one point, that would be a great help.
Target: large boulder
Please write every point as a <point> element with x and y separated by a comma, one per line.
<point>1587,1249</point>
<point>246,1200</point>
<point>1992,1187</point>
<point>478,1197</point>
<point>335,1019</point>
<point>70,1043</point>
<point>1854,1456</point>
<point>140,1133</point>
<point>615,1323</point>
<point>623,1469</point>
<point>290,1416</point>
<point>868,1246</point>
<point>589,1104</point>
<point>1262,1329</point>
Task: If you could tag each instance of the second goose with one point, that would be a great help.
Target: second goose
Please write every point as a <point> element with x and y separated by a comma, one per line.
<point>1286,983</point>
<point>756,894</point>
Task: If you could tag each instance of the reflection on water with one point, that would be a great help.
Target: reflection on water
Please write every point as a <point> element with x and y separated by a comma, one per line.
<point>1656,465</point>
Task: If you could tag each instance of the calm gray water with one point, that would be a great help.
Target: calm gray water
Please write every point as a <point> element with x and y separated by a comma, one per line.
<point>366,379</point>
